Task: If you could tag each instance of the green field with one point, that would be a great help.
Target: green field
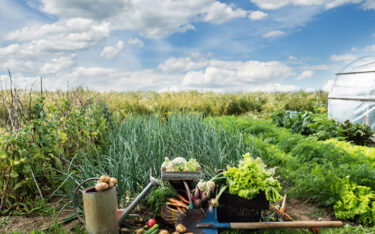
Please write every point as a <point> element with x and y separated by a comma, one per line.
<point>52,142</point>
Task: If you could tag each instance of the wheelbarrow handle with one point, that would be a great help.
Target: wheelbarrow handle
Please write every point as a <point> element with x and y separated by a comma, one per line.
<point>289,224</point>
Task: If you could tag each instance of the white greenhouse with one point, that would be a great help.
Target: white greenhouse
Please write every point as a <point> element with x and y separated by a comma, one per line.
<point>352,96</point>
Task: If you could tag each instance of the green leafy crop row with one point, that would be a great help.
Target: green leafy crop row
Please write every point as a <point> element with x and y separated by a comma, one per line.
<point>314,170</point>
<point>318,125</point>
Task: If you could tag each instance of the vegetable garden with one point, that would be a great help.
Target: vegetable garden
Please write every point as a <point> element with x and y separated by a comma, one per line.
<point>282,142</point>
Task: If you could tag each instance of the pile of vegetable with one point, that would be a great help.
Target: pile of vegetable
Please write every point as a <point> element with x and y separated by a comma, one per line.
<point>105,182</point>
<point>152,227</point>
<point>202,193</point>
<point>180,164</point>
<point>251,177</point>
<point>159,196</point>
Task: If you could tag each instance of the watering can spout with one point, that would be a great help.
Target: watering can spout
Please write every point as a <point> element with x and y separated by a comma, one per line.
<point>126,212</point>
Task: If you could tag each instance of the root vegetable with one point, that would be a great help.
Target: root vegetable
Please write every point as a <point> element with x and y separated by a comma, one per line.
<point>197,203</point>
<point>181,228</point>
<point>104,178</point>
<point>113,180</point>
<point>210,185</point>
<point>196,192</point>
<point>175,233</point>
<point>203,196</point>
<point>101,186</point>
<point>202,185</point>
<point>163,232</point>
<point>140,231</point>
<point>111,185</point>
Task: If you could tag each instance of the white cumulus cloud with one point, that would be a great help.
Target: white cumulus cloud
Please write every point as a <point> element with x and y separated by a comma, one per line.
<point>151,18</point>
<point>41,48</point>
<point>276,4</point>
<point>257,15</point>
<point>136,41</point>
<point>275,33</point>
<point>204,74</point>
<point>305,74</point>
<point>343,57</point>
<point>109,52</point>
<point>218,13</point>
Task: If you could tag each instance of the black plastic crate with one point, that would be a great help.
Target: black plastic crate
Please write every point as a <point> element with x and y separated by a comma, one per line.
<point>233,208</point>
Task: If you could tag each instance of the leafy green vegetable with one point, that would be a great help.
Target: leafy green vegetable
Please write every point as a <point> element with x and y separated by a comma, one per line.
<point>192,165</point>
<point>159,196</point>
<point>180,164</point>
<point>358,202</point>
<point>319,126</point>
<point>353,149</point>
<point>250,177</point>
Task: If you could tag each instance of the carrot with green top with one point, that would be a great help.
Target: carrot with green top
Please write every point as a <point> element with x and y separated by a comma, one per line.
<point>183,199</point>
<point>177,203</point>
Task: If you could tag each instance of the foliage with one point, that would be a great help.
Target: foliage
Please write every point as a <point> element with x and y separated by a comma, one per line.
<point>138,146</point>
<point>354,149</point>
<point>319,126</point>
<point>358,203</point>
<point>310,169</point>
<point>359,134</point>
<point>159,196</point>
<point>251,177</point>
<point>212,104</point>
<point>44,144</point>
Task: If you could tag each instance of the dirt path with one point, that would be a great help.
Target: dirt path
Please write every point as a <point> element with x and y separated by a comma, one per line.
<point>299,210</point>
<point>304,211</point>
<point>28,224</point>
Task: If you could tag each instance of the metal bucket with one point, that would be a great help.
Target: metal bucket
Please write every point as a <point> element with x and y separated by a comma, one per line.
<point>100,210</point>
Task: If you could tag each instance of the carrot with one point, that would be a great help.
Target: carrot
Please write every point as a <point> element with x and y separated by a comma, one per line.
<point>178,204</point>
<point>179,209</point>
<point>182,198</point>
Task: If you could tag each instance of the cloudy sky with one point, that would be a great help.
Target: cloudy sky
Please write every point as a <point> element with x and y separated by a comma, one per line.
<point>162,45</point>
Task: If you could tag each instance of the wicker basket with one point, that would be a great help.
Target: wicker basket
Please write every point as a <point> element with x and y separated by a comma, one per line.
<point>169,214</point>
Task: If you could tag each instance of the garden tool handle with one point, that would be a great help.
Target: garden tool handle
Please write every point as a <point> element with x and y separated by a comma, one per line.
<point>289,224</point>
<point>153,182</point>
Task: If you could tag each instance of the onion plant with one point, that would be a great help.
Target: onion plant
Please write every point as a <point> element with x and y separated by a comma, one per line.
<point>138,146</point>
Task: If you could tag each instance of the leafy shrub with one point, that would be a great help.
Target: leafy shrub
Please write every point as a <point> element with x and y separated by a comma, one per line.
<point>43,145</point>
<point>320,126</point>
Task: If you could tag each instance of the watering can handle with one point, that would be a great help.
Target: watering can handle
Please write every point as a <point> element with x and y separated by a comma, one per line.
<point>74,200</point>
<point>153,182</point>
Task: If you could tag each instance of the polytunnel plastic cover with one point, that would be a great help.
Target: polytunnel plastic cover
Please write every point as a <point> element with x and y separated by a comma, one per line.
<point>352,96</point>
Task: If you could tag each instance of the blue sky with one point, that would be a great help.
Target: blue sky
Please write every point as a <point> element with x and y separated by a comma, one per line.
<point>172,45</point>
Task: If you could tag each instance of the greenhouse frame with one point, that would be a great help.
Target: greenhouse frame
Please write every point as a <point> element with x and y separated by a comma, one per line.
<point>352,96</point>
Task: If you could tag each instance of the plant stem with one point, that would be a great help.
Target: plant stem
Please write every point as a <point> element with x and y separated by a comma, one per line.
<point>37,186</point>
<point>6,189</point>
